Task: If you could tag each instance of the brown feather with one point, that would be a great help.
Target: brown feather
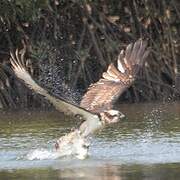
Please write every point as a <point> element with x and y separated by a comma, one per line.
<point>114,73</point>
<point>102,94</point>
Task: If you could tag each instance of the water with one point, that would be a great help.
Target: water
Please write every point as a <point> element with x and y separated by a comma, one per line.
<point>145,145</point>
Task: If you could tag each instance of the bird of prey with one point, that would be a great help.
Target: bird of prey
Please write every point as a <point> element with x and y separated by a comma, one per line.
<point>96,106</point>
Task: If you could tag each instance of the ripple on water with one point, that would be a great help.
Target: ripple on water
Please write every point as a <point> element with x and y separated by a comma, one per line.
<point>135,140</point>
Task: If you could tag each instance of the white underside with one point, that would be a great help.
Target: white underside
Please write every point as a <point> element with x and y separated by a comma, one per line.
<point>73,144</point>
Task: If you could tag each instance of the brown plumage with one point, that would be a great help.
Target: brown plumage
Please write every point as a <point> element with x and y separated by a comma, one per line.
<point>101,95</point>
<point>96,106</point>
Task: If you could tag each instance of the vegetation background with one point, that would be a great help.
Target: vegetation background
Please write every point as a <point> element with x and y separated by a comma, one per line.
<point>71,42</point>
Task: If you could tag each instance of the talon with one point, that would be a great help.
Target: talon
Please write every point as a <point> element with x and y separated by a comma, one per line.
<point>86,146</point>
<point>56,145</point>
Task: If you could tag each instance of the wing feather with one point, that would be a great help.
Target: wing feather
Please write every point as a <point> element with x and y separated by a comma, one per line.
<point>59,103</point>
<point>101,95</point>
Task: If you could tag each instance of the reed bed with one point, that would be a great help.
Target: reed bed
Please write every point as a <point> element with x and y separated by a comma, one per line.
<point>70,43</point>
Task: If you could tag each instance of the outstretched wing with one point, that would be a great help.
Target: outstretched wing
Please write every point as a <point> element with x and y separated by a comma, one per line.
<point>17,61</point>
<point>102,94</point>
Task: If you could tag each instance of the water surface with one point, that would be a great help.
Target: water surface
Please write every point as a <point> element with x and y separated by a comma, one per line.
<point>145,145</point>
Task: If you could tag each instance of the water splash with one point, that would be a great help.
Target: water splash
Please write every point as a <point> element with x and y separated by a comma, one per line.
<point>42,154</point>
<point>71,144</point>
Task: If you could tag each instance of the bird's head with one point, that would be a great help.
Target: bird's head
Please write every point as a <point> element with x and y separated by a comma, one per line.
<point>111,116</point>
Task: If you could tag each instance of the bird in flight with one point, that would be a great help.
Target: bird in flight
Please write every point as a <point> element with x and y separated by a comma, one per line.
<point>96,106</point>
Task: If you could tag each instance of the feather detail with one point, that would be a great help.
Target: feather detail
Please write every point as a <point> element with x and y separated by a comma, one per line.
<point>59,103</point>
<point>101,95</point>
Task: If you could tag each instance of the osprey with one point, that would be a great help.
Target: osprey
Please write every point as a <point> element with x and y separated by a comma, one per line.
<point>96,106</point>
